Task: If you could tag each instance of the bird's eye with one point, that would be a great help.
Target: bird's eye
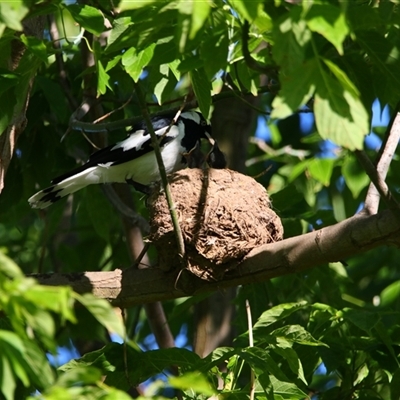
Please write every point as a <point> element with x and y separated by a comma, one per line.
<point>203,123</point>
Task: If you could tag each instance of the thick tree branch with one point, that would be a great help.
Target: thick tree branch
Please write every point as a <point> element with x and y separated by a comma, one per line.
<point>355,235</point>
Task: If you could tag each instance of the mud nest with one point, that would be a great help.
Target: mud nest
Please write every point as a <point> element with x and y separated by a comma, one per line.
<point>223,215</point>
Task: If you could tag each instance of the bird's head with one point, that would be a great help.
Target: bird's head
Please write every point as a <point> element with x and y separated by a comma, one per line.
<point>196,125</point>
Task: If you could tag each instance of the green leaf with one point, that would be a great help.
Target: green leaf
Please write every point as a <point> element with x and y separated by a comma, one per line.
<point>55,298</point>
<point>214,52</point>
<point>390,294</point>
<point>199,14</point>
<point>88,17</point>
<point>165,51</point>
<point>190,63</point>
<point>8,267</point>
<point>195,381</point>
<point>120,26</point>
<point>102,79</point>
<point>12,362</point>
<point>260,361</point>
<point>103,312</point>
<point>297,88</point>
<point>287,390</point>
<point>354,175</point>
<point>342,78</point>
<point>217,357</point>
<point>7,381</point>
<point>247,9</point>
<point>202,89</point>
<point>363,319</point>
<point>339,116</point>
<point>42,375</point>
<point>135,62</point>
<point>132,5</point>
<point>165,83</point>
<point>330,22</point>
<point>278,313</point>
<point>297,334</point>
<point>11,14</point>
<point>192,16</point>
<point>291,357</point>
<point>321,169</point>
<point>83,374</point>
<point>36,46</point>
<point>293,36</point>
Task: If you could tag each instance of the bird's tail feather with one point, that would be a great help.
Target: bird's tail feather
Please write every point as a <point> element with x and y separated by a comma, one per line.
<point>53,193</point>
<point>57,191</point>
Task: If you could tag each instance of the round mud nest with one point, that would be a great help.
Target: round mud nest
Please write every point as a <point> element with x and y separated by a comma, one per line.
<point>223,215</point>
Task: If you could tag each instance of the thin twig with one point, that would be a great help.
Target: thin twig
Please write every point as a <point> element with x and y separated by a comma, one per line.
<point>241,97</point>
<point>163,174</point>
<point>105,116</point>
<point>89,141</point>
<point>385,157</point>
<point>251,344</point>
<point>139,258</point>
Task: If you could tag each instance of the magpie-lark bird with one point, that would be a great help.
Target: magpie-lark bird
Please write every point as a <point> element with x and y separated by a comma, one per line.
<point>133,160</point>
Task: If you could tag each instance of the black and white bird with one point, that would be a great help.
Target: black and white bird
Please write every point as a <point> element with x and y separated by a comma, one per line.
<point>133,160</point>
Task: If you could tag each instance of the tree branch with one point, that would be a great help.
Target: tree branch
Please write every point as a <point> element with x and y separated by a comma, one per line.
<point>385,157</point>
<point>352,236</point>
<point>377,180</point>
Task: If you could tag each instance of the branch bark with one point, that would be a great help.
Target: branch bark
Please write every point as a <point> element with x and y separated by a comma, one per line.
<point>385,158</point>
<point>124,288</point>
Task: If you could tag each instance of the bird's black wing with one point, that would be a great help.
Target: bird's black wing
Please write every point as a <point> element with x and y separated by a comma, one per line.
<point>118,155</point>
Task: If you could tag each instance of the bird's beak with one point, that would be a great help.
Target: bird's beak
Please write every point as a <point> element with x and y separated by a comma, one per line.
<point>210,139</point>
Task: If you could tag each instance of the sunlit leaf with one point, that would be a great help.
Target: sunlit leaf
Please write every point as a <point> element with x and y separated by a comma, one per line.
<point>297,89</point>
<point>135,62</point>
<point>36,46</point>
<point>247,9</point>
<point>103,312</point>
<point>329,21</point>
<point>321,169</point>
<point>194,381</point>
<point>339,116</point>
<point>8,267</point>
<point>88,17</point>
<point>11,14</point>
<point>202,89</point>
<point>390,294</point>
<point>278,313</point>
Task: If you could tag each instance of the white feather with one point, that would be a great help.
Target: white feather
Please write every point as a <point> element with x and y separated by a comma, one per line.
<point>143,170</point>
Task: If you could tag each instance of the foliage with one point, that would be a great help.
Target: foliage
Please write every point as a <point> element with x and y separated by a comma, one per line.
<point>332,332</point>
